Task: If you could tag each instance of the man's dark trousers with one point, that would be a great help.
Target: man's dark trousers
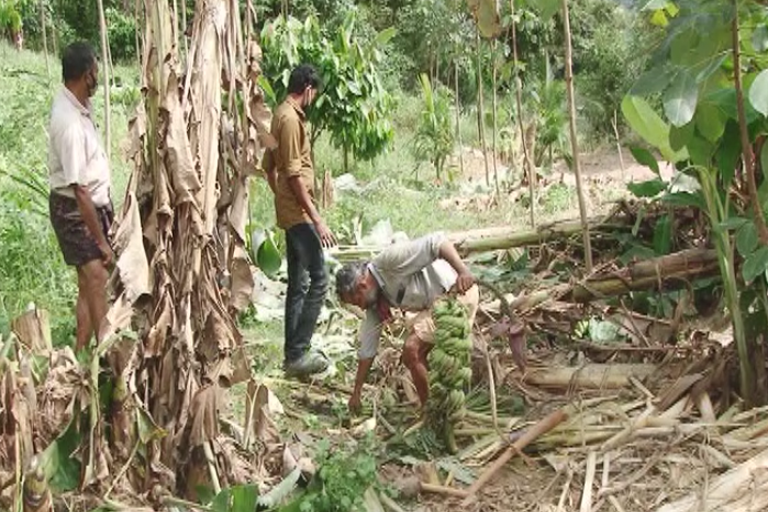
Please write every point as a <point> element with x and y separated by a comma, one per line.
<point>307,286</point>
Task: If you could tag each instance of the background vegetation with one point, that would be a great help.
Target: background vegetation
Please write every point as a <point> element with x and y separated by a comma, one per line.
<point>380,122</point>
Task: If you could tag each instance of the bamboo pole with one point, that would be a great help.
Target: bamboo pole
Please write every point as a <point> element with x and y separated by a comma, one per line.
<point>530,435</point>
<point>574,138</point>
<point>105,60</point>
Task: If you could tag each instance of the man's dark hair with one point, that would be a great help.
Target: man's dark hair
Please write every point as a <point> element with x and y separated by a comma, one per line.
<point>347,277</point>
<point>77,60</point>
<point>302,77</point>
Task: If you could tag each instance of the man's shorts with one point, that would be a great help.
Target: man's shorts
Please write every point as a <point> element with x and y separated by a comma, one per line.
<point>423,325</point>
<point>75,240</point>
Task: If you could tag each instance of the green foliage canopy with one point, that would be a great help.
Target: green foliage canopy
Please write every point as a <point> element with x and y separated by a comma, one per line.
<point>353,105</point>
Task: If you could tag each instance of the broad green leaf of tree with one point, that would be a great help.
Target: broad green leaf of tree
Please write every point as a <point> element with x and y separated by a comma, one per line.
<point>385,36</point>
<point>758,93</point>
<point>268,257</point>
<point>733,223</point>
<point>755,265</point>
<point>710,121</point>
<point>650,188</point>
<point>662,236</point>
<point>700,150</point>
<point>746,239</point>
<point>654,80</point>
<point>760,38</point>
<point>684,200</point>
<point>646,158</point>
<point>680,136</point>
<point>61,468</point>
<point>545,8</point>
<point>680,99</point>
<point>647,123</point>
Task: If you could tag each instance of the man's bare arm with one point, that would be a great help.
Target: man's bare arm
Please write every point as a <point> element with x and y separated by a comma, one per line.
<point>272,180</point>
<point>465,280</point>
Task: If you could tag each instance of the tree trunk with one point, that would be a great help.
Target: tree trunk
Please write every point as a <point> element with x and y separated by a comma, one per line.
<point>458,116</point>
<point>45,38</point>
<point>480,109</point>
<point>106,71</point>
<point>574,138</point>
<point>528,168</point>
<point>180,242</point>
<point>495,126</point>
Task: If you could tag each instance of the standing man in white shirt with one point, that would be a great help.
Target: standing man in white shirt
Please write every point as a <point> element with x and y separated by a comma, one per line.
<point>80,204</point>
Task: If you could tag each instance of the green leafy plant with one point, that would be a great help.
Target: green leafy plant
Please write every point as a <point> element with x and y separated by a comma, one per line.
<point>435,133</point>
<point>710,73</point>
<point>343,477</point>
<point>353,105</point>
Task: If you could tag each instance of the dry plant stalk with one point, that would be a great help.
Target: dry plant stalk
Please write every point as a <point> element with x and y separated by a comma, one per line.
<point>182,269</point>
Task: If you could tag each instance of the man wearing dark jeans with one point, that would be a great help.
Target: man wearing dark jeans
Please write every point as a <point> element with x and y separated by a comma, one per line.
<point>291,178</point>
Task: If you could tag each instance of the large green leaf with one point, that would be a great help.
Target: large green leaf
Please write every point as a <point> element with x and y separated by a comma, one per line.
<point>733,223</point>
<point>646,158</point>
<point>61,468</point>
<point>710,121</point>
<point>680,136</point>
<point>746,239</point>
<point>268,257</point>
<point>647,123</point>
<point>728,153</point>
<point>546,8</point>
<point>760,39</point>
<point>756,264</point>
<point>758,93</point>
<point>662,236</point>
<point>684,200</point>
<point>385,36</point>
<point>650,188</point>
<point>680,99</point>
<point>654,80</point>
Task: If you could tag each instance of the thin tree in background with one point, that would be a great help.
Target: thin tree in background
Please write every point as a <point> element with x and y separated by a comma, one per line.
<point>574,139</point>
<point>528,167</point>
<point>105,59</point>
<point>480,108</point>
<point>495,124</point>
<point>45,39</point>
<point>458,115</point>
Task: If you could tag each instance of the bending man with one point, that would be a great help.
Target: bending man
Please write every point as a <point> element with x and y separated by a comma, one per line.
<point>411,276</point>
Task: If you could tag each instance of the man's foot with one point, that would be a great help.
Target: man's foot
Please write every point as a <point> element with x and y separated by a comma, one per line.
<point>310,363</point>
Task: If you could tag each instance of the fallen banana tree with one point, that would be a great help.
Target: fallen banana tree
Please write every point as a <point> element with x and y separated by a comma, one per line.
<point>670,272</point>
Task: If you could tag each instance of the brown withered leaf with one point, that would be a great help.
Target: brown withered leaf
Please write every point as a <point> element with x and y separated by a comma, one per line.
<point>203,416</point>
<point>132,261</point>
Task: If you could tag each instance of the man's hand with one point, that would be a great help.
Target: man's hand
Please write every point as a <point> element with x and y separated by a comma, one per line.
<point>108,255</point>
<point>464,281</point>
<point>326,236</point>
<point>354,403</point>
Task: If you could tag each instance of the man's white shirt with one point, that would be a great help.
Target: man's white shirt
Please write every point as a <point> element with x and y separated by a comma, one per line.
<point>75,154</point>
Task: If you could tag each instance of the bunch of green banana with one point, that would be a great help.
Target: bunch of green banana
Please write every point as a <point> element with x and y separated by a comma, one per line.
<point>449,367</point>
